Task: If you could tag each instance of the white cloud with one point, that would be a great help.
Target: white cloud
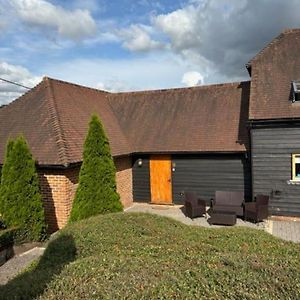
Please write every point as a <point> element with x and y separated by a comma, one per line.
<point>18,74</point>
<point>192,78</point>
<point>113,85</point>
<point>180,26</point>
<point>155,71</point>
<point>137,38</point>
<point>228,34</point>
<point>72,24</point>
<point>218,37</point>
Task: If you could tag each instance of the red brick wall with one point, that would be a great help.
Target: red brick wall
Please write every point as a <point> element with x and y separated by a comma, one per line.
<point>124,180</point>
<point>59,186</point>
<point>54,190</point>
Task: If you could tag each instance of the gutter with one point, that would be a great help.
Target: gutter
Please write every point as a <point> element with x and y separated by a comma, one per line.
<point>282,122</point>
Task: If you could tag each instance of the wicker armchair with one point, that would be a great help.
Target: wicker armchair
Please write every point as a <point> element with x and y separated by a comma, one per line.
<point>194,206</point>
<point>258,210</point>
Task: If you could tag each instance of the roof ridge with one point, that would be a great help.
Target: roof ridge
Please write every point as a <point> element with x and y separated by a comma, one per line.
<point>275,40</point>
<point>75,84</point>
<point>207,86</point>
<point>59,135</point>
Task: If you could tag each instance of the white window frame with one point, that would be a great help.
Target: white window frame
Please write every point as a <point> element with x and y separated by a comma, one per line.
<point>294,158</point>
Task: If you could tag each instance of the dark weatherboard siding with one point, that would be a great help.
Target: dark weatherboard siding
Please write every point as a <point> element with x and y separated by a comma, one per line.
<point>141,179</point>
<point>272,150</point>
<point>205,174</point>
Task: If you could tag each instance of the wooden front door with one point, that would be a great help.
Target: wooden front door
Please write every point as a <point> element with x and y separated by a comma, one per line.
<point>160,179</point>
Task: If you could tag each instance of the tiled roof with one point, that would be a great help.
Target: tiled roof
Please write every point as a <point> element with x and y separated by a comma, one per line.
<point>273,70</point>
<point>54,118</point>
<point>207,118</point>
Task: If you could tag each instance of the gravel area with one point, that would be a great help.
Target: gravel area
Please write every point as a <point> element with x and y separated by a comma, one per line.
<point>176,212</point>
<point>289,231</point>
<point>15,265</point>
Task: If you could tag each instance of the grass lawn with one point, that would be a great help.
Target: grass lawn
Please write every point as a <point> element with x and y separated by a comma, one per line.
<point>142,256</point>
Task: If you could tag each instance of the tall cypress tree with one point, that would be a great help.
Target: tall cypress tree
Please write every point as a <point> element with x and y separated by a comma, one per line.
<point>5,173</point>
<point>20,193</point>
<point>96,192</point>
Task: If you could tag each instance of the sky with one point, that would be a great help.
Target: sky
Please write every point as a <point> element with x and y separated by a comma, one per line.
<point>126,45</point>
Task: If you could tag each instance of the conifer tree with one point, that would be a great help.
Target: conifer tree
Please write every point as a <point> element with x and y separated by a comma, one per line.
<point>96,192</point>
<point>4,172</point>
<point>20,193</point>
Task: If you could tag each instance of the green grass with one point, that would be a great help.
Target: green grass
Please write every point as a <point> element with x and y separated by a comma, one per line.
<point>142,256</point>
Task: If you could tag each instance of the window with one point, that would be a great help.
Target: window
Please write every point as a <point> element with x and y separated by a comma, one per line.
<point>296,90</point>
<point>296,167</point>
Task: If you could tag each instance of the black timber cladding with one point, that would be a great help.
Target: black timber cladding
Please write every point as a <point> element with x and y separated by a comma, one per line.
<point>141,179</point>
<point>205,174</point>
<point>272,150</point>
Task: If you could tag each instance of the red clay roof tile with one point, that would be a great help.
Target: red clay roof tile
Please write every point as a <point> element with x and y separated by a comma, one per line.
<point>273,70</point>
<point>201,119</point>
<point>54,118</point>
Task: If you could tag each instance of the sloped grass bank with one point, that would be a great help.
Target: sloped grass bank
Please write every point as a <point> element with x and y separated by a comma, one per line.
<point>142,256</point>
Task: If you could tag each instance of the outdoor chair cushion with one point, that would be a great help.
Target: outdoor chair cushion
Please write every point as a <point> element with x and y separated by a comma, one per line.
<point>229,201</point>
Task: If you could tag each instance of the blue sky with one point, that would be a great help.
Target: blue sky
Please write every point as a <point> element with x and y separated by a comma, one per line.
<point>134,45</point>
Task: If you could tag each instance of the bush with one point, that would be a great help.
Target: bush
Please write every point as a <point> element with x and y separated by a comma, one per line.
<point>6,237</point>
<point>4,174</point>
<point>96,192</point>
<point>20,197</point>
<point>11,236</point>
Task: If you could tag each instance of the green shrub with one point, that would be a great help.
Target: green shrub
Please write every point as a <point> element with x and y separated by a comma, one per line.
<point>96,192</point>
<point>144,256</point>
<point>20,197</point>
<point>11,236</point>
<point>4,173</point>
<point>6,237</point>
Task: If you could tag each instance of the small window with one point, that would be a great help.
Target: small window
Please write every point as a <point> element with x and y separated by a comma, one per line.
<point>296,167</point>
<point>296,90</point>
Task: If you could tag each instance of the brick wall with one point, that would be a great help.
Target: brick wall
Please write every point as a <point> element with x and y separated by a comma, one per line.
<point>54,188</point>
<point>124,180</point>
<point>59,186</point>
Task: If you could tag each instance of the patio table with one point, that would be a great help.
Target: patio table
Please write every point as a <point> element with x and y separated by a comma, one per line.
<point>222,217</point>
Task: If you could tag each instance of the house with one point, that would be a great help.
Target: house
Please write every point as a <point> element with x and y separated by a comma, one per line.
<point>241,136</point>
<point>274,116</point>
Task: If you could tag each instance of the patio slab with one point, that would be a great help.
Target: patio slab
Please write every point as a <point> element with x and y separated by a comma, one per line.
<point>289,230</point>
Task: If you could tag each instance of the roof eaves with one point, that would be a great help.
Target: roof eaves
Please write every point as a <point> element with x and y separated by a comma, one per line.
<point>58,132</point>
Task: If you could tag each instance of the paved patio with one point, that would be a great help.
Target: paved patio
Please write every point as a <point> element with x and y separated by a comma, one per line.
<point>287,230</point>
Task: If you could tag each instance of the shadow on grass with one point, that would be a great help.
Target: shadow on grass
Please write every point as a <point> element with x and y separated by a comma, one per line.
<point>33,282</point>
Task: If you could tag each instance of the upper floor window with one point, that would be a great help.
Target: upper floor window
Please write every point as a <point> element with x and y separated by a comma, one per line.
<point>296,90</point>
<point>296,167</point>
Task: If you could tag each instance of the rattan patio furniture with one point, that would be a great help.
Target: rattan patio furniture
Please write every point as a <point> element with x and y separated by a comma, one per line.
<point>258,210</point>
<point>194,206</point>
<point>222,217</point>
<point>229,201</point>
